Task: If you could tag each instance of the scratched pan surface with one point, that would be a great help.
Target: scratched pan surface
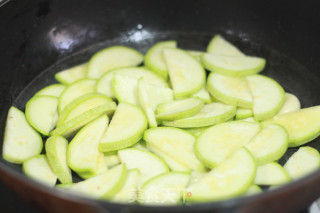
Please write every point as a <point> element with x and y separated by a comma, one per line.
<point>57,43</point>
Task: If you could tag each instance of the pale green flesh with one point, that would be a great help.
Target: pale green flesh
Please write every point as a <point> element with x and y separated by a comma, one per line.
<point>171,162</point>
<point>196,131</point>
<point>230,90</point>
<point>303,162</point>
<point>101,167</point>
<point>302,125</point>
<point>83,151</point>
<point>233,65</point>
<point>103,186</point>
<point>187,75</point>
<point>144,102</point>
<point>209,114</point>
<point>178,109</point>
<point>80,105</point>
<point>268,96</point>
<point>111,159</point>
<point>203,94</point>
<point>125,89</point>
<point>74,91</point>
<point>38,168</point>
<point>164,189</point>
<point>148,163</point>
<point>56,150</point>
<point>52,90</point>
<point>42,113</point>
<point>72,74</point>
<point>70,127</point>
<point>271,174</point>
<point>104,84</point>
<point>128,193</point>
<point>111,58</point>
<point>157,95</point>
<point>253,190</point>
<point>196,54</point>
<point>243,113</point>
<point>177,144</point>
<point>231,178</point>
<point>154,59</point>
<point>126,128</point>
<point>220,141</point>
<point>269,144</point>
<point>20,141</point>
<point>218,45</point>
<point>291,104</point>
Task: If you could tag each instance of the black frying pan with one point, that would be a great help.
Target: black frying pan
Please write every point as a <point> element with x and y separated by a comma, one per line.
<point>41,37</point>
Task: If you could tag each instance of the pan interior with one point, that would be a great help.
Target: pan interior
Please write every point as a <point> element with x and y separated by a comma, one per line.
<point>294,77</point>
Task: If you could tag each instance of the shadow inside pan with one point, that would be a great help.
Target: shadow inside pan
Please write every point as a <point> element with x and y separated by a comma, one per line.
<point>294,77</point>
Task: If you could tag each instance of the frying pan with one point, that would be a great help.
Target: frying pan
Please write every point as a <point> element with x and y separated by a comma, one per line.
<point>41,37</point>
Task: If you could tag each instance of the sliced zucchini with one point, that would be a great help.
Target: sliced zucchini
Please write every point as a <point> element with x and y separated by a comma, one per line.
<point>148,163</point>
<point>52,90</point>
<point>56,149</point>
<point>80,105</point>
<point>111,58</point>
<point>20,141</point>
<point>176,143</point>
<point>243,113</point>
<point>128,193</point>
<point>125,89</point>
<point>268,96</point>
<point>269,144</point>
<point>178,109</point>
<point>271,174</point>
<point>73,125</point>
<point>42,113</point>
<point>218,45</point>
<point>126,128</point>
<point>302,125</point>
<point>164,189</point>
<point>230,90</point>
<point>111,159</point>
<point>220,141</point>
<point>203,94</point>
<point>209,115</point>
<point>101,168</point>
<point>233,65</point>
<point>253,190</point>
<point>171,162</point>
<point>83,151</point>
<point>196,54</point>
<point>231,178</point>
<point>74,91</point>
<point>103,186</point>
<point>303,162</point>
<point>187,75</point>
<point>104,84</point>
<point>291,104</point>
<point>38,168</point>
<point>196,131</point>
<point>73,74</point>
<point>154,58</point>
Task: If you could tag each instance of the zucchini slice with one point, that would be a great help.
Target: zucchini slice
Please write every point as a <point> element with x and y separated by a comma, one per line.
<point>203,94</point>
<point>52,90</point>
<point>20,141</point>
<point>303,162</point>
<point>187,75</point>
<point>126,128</point>
<point>101,168</point>
<point>268,96</point>
<point>104,84</point>
<point>164,189</point>
<point>218,45</point>
<point>125,89</point>
<point>56,149</point>
<point>271,174</point>
<point>149,164</point>
<point>269,144</point>
<point>253,190</point>
<point>111,159</point>
<point>209,115</point>
<point>243,113</point>
<point>38,168</point>
<point>291,104</point>
<point>111,58</point>
<point>220,141</point>
<point>230,90</point>
<point>42,113</point>
<point>231,178</point>
<point>176,143</point>
<point>73,74</point>
<point>154,59</point>
<point>302,125</point>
